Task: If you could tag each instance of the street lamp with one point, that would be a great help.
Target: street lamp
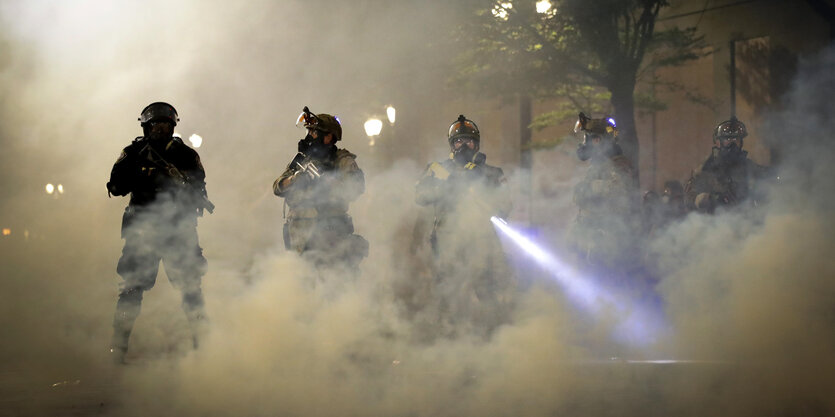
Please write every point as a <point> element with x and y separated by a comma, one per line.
<point>195,140</point>
<point>60,189</point>
<point>543,6</point>
<point>373,127</point>
<point>50,188</point>
<point>391,113</point>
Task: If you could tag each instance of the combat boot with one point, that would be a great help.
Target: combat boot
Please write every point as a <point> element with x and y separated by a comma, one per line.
<point>127,310</point>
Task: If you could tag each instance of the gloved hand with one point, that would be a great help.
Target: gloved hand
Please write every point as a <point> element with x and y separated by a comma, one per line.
<point>703,202</point>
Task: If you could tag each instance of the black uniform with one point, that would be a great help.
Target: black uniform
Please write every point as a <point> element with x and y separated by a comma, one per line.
<point>165,180</point>
<point>723,180</point>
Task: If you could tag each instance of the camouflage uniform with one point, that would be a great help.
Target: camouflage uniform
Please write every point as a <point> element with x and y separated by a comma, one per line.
<point>165,180</point>
<point>608,219</point>
<point>318,225</point>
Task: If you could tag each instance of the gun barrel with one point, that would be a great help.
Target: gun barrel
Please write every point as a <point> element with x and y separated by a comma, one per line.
<point>208,205</point>
<point>309,169</point>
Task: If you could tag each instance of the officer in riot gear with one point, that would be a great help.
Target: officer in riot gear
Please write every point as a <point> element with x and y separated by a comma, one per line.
<point>317,186</point>
<point>167,188</point>
<point>464,192</point>
<point>728,176</point>
<point>608,218</point>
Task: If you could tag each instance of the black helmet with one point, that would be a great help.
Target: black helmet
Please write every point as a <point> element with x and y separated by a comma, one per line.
<point>323,122</point>
<point>604,126</point>
<point>463,127</point>
<point>159,110</point>
<point>730,129</point>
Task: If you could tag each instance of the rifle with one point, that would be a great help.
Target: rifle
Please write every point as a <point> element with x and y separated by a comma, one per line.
<point>310,169</point>
<point>183,180</point>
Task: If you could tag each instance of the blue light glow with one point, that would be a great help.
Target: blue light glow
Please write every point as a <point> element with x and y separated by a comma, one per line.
<point>639,327</point>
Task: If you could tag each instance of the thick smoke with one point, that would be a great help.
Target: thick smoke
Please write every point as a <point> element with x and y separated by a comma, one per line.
<point>747,293</point>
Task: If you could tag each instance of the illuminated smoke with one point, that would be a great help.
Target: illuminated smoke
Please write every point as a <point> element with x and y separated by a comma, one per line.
<point>640,326</point>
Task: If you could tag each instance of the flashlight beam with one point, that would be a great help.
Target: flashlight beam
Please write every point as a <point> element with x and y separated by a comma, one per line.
<point>577,287</point>
<point>639,326</point>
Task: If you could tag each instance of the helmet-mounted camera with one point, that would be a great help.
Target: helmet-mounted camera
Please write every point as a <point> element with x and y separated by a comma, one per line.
<point>604,127</point>
<point>306,119</point>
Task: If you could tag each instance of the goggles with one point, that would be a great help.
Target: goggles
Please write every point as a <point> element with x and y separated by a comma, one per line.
<point>463,140</point>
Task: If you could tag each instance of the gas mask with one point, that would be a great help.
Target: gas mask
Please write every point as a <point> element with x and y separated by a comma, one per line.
<point>462,153</point>
<point>315,147</point>
<point>729,152</point>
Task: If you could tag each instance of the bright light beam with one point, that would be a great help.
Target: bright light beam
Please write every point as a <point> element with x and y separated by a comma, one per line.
<point>579,289</point>
<point>638,327</point>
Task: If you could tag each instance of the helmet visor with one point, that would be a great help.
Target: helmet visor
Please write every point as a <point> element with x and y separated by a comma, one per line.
<point>733,129</point>
<point>159,111</point>
<point>463,128</point>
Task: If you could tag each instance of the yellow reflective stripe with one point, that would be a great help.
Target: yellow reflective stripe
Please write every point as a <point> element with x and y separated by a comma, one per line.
<point>438,171</point>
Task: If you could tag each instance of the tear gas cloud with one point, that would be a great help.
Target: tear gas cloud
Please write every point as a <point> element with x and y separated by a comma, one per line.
<point>747,293</point>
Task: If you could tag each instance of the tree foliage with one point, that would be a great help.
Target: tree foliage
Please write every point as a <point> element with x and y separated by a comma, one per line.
<point>590,54</point>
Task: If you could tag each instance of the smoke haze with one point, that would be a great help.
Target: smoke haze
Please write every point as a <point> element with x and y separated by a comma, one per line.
<point>747,293</point>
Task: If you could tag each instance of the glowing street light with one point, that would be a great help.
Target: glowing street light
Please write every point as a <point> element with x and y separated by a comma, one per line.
<point>543,6</point>
<point>7,231</point>
<point>50,188</point>
<point>195,140</point>
<point>60,189</point>
<point>373,127</point>
<point>391,113</point>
